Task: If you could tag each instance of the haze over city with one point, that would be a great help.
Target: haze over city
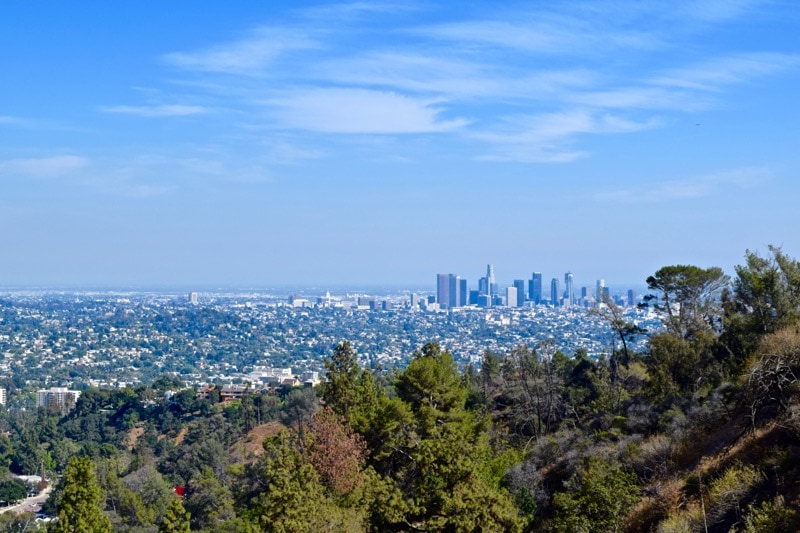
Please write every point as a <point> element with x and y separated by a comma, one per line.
<point>311,143</point>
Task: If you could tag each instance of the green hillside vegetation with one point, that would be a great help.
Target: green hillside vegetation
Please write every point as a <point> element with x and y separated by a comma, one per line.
<point>700,432</point>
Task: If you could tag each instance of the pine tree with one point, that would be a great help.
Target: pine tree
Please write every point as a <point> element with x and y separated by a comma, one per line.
<point>176,519</point>
<point>80,510</point>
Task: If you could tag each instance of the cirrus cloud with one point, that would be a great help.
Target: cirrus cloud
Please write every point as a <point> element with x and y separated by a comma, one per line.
<point>359,111</point>
<point>176,110</point>
<point>43,167</point>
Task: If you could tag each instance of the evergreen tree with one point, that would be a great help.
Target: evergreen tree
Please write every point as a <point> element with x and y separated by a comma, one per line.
<point>176,519</point>
<point>338,391</point>
<point>209,501</point>
<point>689,298</point>
<point>80,510</point>
<point>600,497</point>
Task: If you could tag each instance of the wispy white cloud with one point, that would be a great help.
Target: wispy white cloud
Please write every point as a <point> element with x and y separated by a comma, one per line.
<point>248,56</point>
<point>579,30</point>
<point>576,70</point>
<point>176,110</point>
<point>715,10</point>
<point>359,111</point>
<point>716,73</point>
<point>690,189</point>
<point>43,167</point>
<point>455,77</point>
<point>653,98</point>
<point>350,11</point>
<point>548,138</point>
<point>285,153</point>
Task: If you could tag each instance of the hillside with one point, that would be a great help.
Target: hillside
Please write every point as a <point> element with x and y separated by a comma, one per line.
<point>698,432</point>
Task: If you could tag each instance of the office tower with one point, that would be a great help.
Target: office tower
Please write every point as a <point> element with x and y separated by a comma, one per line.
<point>443,289</point>
<point>194,298</point>
<point>569,291</point>
<point>484,300</point>
<point>463,293</point>
<point>454,284</point>
<point>490,281</point>
<point>554,292</point>
<point>414,301</point>
<point>535,288</point>
<point>631,298</point>
<point>473,296</point>
<point>519,284</point>
<point>586,293</point>
<point>601,289</point>
<point>483,286</point>
<point>511,296</point>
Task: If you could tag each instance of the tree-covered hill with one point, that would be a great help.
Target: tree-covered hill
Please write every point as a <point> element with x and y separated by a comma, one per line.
<point>698,432</point>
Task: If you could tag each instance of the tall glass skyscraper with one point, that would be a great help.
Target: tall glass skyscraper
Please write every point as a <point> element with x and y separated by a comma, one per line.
<point>491,283</point>
<point>554,292</point>
<point>535,288</point>
<point>443,289</point>
<point>519,284</point>
<point>449,289</point>
<point>455,289</point>
<point>569,291</point>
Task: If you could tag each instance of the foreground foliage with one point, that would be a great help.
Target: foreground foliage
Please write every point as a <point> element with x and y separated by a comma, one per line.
<point>699,432</point>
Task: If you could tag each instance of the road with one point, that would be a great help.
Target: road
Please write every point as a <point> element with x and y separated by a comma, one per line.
<point>29,505</point>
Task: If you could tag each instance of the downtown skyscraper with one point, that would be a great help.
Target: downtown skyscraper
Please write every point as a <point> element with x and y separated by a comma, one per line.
<point>535,288</point>
<point>519,284</point>
<point>569,290</point>
<point>451,291</point>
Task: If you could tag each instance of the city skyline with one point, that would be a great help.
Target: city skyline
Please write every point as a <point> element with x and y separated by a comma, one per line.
<point>322,143</point>
<point>452,288</point>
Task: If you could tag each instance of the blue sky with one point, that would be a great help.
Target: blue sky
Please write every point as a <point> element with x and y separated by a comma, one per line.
<point>256,144</point>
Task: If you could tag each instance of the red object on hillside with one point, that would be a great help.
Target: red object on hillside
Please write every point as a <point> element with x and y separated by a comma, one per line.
<point>180,491</point>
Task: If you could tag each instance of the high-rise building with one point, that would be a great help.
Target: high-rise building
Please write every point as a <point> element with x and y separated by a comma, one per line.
<point>473,296</point>
<point>554,292</point>
<point>463,293</point>
<point>601,290</point>
<point>443,289</point>
<point>414,301</point>
<point>194,298</point>
<point>535,288</point>
<point>490,281</point>
<point>454,297</point>
<point>511,296</point>
<point>519,284</point>
<point>483,286</point>
<point>631,298</point>
<point>569,291</point>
